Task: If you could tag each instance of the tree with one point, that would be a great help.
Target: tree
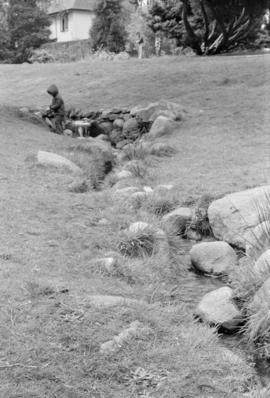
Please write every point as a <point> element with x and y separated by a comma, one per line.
<point>108,30</point>
<point>210,26</point>
<point>26,29</point>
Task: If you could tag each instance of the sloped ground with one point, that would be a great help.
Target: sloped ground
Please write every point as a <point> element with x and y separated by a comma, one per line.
<point>51,333</point>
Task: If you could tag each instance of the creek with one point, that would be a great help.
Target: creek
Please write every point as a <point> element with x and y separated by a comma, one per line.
<point>194,287</point>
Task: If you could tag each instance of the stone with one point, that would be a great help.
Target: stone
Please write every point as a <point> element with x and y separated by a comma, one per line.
<point>177,220</point>
<point>161,126</point>
<point>118,124</point>
<point>258,240</point>
<point>124,193</point>
<point>148,113</point>
<point>107,263</point>
<point>216,258</point>
<point>131,128</point>
<point>147,189</point>
<point>110,301</point>
<point>103,137</point>
<point>54,160</point>
<point>123,174</point>
<point>107,127</point>
<point>68,133</point>
<point>163,188</point>
<point>139,226</point>
<point>192,234</point>
<point>116,136</point>
<point>262,265</point>
<point>236,214</point>
<point>122,144</point>
<point>79,186</point>
<point>217,308</point>
<point>117,342</point>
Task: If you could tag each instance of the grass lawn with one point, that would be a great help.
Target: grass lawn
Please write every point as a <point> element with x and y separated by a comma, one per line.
<point>50,331</point>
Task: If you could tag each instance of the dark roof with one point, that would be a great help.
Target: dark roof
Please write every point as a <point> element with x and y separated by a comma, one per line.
<point>64,5</point>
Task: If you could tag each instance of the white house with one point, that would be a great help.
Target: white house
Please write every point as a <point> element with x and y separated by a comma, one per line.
<point>71,19</point>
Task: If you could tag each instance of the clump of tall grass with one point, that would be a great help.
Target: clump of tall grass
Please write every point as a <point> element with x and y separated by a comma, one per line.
<point>161,204</point>
<point>139,244</point>
<point>96,162</point>
<point>161,149</point>
<point>200,221</point>
<point>135,151</point>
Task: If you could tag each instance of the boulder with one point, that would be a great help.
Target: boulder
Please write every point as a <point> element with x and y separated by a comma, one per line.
<point>215,258</point>
<point>148,113</point>
<point>217,308</point>
<point>52,159</point>
<point>131,128</point>
<point>262,265</point>
<point>258,240</point>
<point>236,214</point>
<point>118,124</point>
<point>177,220</point>
<point>147,189</point>
<point>161,126</point>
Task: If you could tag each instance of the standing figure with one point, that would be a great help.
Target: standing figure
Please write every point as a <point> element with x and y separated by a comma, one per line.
<point>140,43</point>
<point>158,44</point>
<point>55,116</point>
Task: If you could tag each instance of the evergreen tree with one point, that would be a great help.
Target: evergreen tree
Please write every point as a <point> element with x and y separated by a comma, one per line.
<point>108,30</point>
<point>27,29</point>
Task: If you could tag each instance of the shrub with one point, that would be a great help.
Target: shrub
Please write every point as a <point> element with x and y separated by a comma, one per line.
<point>160,205</point>
<point>138,244</point>
<point>41,56</point>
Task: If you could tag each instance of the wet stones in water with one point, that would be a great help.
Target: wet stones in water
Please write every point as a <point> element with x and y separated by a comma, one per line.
<point>177,221</point>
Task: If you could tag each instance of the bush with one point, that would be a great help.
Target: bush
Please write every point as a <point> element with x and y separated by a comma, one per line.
<point>41,56</point>
<point>138,244</point>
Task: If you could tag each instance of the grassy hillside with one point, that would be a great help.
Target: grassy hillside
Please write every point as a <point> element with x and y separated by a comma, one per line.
<point>51,333</point>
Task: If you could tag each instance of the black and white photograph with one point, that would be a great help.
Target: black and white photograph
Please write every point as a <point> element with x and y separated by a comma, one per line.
<point>135,198</point>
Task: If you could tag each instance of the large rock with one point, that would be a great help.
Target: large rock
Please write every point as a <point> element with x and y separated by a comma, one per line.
<point>213,257</point>
<point>161,126</point>
<point>177,220</point>
<point>217,308</point>
<point>236,214</point>
<point>262,265</point>
<point>52,159</point>
<point>148,113</point>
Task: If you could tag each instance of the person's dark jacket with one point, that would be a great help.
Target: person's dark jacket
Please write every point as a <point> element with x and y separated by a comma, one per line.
<point>57,105</point>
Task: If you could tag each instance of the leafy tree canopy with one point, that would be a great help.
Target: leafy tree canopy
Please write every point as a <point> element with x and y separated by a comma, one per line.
<point>26,28</point>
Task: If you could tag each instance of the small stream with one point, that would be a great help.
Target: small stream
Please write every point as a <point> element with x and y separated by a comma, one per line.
<point>194,287</point>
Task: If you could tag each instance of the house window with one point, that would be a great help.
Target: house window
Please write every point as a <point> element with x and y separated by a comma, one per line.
<point>64,22</point>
